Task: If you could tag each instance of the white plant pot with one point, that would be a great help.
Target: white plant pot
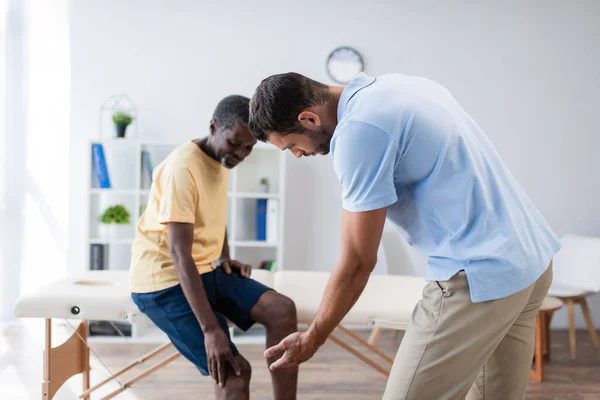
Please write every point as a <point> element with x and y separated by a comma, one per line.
<point>264,188</point>
<point>115,231</point>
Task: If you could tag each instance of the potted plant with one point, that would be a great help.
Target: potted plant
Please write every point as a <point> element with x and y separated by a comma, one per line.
<point>264,185</point>
<point>121,120</point>
<point>115,222</point>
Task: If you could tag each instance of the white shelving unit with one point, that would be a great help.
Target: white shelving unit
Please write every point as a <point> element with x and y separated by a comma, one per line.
<point>124,164</point>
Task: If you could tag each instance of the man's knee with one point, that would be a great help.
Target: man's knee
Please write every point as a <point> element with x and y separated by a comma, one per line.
<point>237,386</point>
<point>282,312</point>
<point>245,368</point>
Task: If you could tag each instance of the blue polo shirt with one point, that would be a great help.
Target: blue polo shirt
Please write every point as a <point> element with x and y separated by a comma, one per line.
<point>405,143</point>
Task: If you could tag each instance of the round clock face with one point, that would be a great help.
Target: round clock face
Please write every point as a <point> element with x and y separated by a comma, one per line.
<point>343,64</point>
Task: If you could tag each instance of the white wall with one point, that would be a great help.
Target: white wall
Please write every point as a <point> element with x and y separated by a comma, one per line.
<point>527,73</point>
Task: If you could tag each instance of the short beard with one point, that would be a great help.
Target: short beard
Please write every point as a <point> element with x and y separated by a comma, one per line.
<point>225,161</point>
<point>321,140</point>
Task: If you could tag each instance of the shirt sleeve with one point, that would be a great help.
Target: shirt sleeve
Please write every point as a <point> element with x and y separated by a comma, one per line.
<point>179,197</point>
<point>364,158</point>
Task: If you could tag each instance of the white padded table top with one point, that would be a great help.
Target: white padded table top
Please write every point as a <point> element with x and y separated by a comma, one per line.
<point>98,295</point>
<point>389,298</point>
<point>105,295</point>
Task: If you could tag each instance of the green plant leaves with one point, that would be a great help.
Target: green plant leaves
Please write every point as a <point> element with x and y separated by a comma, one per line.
<point>122,118</point>
<point>117,214</point>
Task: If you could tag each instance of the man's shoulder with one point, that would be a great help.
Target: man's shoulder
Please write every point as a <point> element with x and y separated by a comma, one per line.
<point>181,158</point>
<point>358,136</point>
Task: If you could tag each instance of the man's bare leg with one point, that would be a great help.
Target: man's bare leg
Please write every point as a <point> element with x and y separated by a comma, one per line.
<point>236,387</point>
<point>277,314</point>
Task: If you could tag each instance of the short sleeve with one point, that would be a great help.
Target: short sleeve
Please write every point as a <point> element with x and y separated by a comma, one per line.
<point>179,196</point>
<point>364,158</point>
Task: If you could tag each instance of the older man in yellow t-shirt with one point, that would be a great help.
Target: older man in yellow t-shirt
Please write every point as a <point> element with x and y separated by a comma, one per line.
<point>182,236</point>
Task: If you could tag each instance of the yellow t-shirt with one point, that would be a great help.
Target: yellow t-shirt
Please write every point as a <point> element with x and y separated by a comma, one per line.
<point>188,186</point>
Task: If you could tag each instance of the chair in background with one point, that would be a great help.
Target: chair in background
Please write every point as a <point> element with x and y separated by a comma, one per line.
<point>542,335</point>
<point>576,276</point>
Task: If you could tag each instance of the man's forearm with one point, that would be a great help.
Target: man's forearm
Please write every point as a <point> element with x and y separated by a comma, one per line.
<point>345,286</point>
<point>194,292</point>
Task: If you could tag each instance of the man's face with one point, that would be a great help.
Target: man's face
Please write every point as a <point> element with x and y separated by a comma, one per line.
<point>305,143</point>
<point>233,144</point>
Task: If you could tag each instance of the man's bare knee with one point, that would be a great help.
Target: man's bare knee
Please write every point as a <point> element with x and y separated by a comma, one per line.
<point>245,368</point>
<point>236,387</point>
<point>282,313</point>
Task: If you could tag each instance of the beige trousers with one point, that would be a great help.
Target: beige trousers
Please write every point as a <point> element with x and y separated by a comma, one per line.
<point>457,349</point>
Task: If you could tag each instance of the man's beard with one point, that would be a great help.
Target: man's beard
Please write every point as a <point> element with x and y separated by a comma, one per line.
<point>321,140</point>
<point>230,161</point>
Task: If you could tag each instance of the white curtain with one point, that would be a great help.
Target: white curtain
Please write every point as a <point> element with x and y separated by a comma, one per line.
<point>14,109</point>
<point>3,125</point>
<point>35,137</point>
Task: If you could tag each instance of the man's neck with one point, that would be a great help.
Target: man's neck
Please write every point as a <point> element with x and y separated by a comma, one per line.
<point>331,107</point>
<point>205,145</point>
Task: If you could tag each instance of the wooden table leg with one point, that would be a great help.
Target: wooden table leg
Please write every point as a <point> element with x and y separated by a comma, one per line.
<point>374,335</point>
<point>537,373</point>
<point>544,319</point>
<point>572,337</point>
<point>547,320</point>
<point>588,321</point>
<point>46,394</point>
<point>85,358</point>
<point>64,361</point>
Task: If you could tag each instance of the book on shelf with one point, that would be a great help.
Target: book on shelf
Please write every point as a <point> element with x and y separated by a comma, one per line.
<point>261,219</point>
<point>269,265</point>
<point>99,166</point>
<point>98,256</point>
<point>267,211</point>
<point>272,214</point>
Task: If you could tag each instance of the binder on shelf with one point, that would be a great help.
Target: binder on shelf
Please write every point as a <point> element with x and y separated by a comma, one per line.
<point>261,219</point>
<point>97,257</point>
<point>272,218</point>
<point>99,162</point>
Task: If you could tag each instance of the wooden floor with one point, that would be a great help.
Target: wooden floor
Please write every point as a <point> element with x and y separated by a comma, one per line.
<point>331,374</point>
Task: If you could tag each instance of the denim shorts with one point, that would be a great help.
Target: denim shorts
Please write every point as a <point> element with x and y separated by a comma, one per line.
<point>231,297</point>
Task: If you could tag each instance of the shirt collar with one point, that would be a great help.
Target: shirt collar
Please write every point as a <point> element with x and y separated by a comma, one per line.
<point>359,82</point>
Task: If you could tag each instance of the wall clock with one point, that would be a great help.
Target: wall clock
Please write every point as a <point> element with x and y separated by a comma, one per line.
<point>343,64</point>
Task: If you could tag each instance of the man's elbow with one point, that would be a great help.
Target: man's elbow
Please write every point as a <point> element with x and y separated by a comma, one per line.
<point>368,264</point>
<point>177,255</point>
<point>173,253</point>
<point>364,266</point>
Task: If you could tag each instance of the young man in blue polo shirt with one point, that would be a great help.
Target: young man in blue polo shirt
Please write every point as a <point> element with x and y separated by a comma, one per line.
<point>405,149</point>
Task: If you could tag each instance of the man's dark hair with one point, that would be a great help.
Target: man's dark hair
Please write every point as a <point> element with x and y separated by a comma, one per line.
<point>230,110</point>
<point>278,101</point>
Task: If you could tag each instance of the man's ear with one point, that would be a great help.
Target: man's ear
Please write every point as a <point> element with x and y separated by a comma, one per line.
<point>309,119</point>
<point>212,127</point>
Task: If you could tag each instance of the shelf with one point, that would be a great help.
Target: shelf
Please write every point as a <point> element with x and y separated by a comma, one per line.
<point>143,192</point>
<point>250,195</point>
<point>111,241</point>
<point>150,142</point>
<point>114,191</point>
<point>142,142</point>
<point>252,243</point>
<point>160,143</point>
